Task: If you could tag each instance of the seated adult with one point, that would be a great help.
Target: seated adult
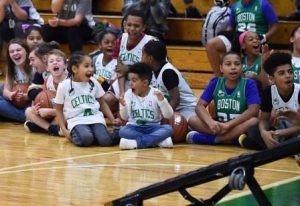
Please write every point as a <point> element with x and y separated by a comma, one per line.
<point>73,23</point>
<point>246,15</point>
<point>155,11</point>
<point>13,14</point>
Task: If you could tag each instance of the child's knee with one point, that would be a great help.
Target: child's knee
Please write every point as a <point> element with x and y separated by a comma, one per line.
<point>253,121</point>
<point>105,141</point>
<point>28,112</point>
<point>82,140</point>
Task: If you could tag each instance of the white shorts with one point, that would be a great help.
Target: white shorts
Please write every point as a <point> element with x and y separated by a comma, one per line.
<point>226,42</point>
<point>187,112</point>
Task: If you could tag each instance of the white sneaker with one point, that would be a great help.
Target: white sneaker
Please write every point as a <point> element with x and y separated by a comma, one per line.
<point>167,143</point>
<point>128,144</point>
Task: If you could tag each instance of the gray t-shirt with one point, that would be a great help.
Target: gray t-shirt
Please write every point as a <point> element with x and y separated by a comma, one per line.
<point>71,8</point>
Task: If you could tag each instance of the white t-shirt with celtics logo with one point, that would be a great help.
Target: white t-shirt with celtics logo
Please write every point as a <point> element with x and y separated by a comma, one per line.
<point>80,105</point>
<point>143,110</point>
<point>106,71</point>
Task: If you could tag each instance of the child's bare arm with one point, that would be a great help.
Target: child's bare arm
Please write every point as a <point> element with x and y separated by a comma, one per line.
<point>47,112</point>
<point>106,110</point>
<point>165,107</point>
<point>287,132</point>
<point>122,71</point>
<point>290,115</point>
<point>175,97</point>
<point>203,114</point>
<point>264,128</point>
<point>61,120</point>
<point>251,111</point>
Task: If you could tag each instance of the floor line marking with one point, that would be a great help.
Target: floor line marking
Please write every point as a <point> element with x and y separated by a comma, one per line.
<point>278,183</point>
<point>62,159</point>
<point>89,166</point>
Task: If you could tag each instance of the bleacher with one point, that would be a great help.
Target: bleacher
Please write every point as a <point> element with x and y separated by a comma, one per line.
<point>183,38</point>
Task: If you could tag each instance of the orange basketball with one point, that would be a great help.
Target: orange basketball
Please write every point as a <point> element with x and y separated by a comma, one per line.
<point>22,87</point>
<point>44,98</point>
<point>211,109</point>
<point>180,127</point>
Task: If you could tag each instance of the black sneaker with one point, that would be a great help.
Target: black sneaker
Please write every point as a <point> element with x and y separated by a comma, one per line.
<point>54,130</point>
<point>248,143</point>
<point>32,127</point>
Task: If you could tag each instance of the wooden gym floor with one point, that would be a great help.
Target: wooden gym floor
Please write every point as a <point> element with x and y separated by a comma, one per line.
<point>37,169</point>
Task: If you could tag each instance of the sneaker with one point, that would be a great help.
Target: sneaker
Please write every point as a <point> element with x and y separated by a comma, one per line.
<point>166,143</point>
<point>128,144</point>
<point>32,127</point>
<point>248,143</point>
<point>194,137</point>
<point>54,130</point>
<point>241,139</point>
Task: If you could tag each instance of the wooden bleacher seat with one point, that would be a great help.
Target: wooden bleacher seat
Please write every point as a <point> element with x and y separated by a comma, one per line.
<point>42,5</point>
<point>282,7</point>
<point>191,60</point>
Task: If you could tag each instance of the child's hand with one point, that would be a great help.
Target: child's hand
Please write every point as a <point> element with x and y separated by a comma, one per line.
<point>223,128</point>
<point>122,100</point>
<point>159,95</point>
<point>265,52</point>
<point>45,112</point>
<point>269,138</point>
<point>12,95</point>
<point>35,108</point>
<point>67,134</point>
<point>215,127</point>
<point>117,122</point>
<point>121,69</point>
<point>53,22</point>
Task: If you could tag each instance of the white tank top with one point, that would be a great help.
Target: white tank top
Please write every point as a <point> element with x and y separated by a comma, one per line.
<point>279,104</point>
<point>187,97</point>
<point>129,57</point>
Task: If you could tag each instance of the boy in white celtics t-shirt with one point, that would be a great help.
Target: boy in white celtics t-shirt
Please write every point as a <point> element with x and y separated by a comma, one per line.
<point>143,107</point>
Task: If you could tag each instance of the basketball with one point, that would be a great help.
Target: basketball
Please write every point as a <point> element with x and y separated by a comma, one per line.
<point>20,103</point>
<point>211,109</point>
<point>180,127</point>
<point>44,98</point>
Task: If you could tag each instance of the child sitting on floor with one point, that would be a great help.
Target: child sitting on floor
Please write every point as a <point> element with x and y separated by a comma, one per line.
<point>144,107</point>
<point>236,106</point>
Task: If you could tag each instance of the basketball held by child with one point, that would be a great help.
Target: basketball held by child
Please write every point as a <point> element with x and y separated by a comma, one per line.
<point>44,99</point>
<point>211,109</point>
<point>22,89</point>
<point>180,127</point>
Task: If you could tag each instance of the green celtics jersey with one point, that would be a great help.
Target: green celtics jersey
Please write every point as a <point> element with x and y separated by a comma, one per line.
<point>228,107</point>
<point>255,68</point>
<point>296,69</point>
<point>250,18</point>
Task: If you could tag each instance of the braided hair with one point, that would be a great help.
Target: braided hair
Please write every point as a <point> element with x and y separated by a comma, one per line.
<point>75,60</point>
